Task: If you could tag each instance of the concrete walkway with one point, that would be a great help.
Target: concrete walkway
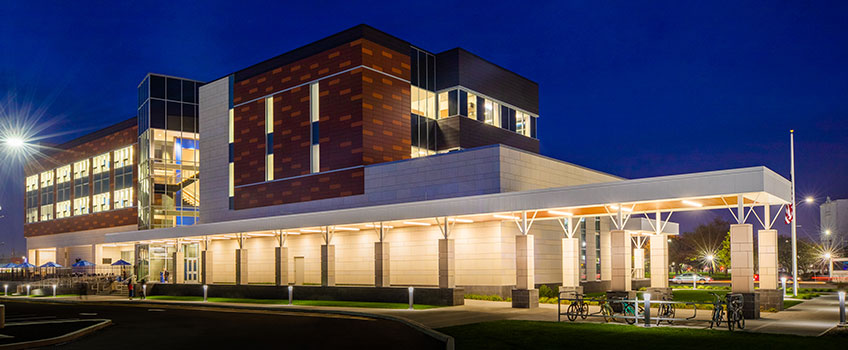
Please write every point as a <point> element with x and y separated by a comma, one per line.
<point>810,318</point>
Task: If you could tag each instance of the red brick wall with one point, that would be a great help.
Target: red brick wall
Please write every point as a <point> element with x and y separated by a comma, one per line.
<point>113,218</point>
<point>363,119</point>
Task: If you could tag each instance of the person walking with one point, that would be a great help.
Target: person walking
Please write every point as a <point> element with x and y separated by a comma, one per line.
<point>130,288</point>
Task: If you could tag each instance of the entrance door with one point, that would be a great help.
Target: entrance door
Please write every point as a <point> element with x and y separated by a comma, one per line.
<point>142,262</point>
<point>298,270</point>
<point>190,262</point>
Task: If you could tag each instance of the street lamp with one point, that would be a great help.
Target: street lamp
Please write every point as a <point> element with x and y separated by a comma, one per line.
<point>809,199</point>
<point>829,259</point>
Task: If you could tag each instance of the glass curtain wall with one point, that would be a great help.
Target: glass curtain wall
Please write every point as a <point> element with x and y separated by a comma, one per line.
<point>168,152</point>
<point>423,98</point>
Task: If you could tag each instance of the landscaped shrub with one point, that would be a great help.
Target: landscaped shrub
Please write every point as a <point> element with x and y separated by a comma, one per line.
<point>546,292</point>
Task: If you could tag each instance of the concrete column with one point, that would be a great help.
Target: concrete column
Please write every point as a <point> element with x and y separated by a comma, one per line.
<point>639,263</point>
<point>621,261</point>
<point>241,266</point>
<point>767,258</point>
<point>178,276</point>
<point>281,266</point>
<point>447,265</point>
<point>66,257</point>
<point>96,254</point>
<point>591,254</point>
<point>659,261</point>
<point>525,271</point>
<point>606,256</point>
<point>381,264</point>
<point>571,262</point>
<point>328,265</point>
<point>206,267</point>
<point>742,258</point>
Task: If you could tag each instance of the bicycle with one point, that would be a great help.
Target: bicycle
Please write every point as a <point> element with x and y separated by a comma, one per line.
<point>735,317</point>
<point>629,310</point>
<point>606,310</point>
<point>718,311</point>
<point>577,308</point>
<point>666,310</point>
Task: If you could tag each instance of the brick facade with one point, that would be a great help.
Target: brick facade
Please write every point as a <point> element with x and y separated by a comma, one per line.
<point>106,140</point>
<point>363,119</point>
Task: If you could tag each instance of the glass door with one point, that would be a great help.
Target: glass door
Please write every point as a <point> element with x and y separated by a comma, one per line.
<point>142,262</point>
<point>190,262</point>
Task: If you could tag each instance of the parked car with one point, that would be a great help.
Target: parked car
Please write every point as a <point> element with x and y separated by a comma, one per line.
<point>690,277</point>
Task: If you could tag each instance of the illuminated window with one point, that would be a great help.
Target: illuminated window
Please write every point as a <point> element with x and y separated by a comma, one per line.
<point>63,192</point>
<point>269,138</point>
<point>32,198</point>
<point>100,172</point>
<point>472,106</point>
<point>123,198</point>
<point>314,117</point>
<point>47,195</point>
<point>81,187</point>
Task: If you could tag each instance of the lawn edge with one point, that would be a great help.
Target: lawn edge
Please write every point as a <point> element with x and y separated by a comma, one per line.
<point>62,338</point>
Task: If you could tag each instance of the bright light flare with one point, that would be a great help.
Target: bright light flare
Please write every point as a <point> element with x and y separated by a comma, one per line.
<point>809,199</point>
<point>693,203</point>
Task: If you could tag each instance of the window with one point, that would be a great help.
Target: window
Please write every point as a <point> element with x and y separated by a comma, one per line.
<point>81,187</point>
<point>123,165</point>
<point>32,198</point>
<point>63,192</point>
<point>522,121</point>
<point>100,172</point>
<point>269,138</point>
<point>47,195</point>
<point>423,102</point>
<point>492,113</point>
<point>472,106</point>
<point>314,117</point>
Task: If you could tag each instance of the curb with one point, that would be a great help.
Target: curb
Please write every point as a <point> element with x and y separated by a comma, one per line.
<point>60,339</point>
<point>444,338</point>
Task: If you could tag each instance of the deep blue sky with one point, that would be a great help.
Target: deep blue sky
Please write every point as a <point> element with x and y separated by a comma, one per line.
<point>634,89</point>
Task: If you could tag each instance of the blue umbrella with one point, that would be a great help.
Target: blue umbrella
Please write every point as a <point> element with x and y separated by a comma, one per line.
<point>121,263</point>
<point>51,264</point>
<point>83,263</point>
<point>9,265</point>
<point>25,265</point>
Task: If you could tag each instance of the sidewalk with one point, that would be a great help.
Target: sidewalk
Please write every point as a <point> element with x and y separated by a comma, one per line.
<point>810,318</point>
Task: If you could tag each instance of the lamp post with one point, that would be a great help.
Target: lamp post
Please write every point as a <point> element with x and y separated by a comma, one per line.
<point>205,289</point>
<point>794,215</point>
<point>829,259</point>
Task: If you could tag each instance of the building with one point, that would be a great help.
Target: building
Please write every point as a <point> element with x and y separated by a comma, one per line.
<point>362,161</point>
<point>834,222</point>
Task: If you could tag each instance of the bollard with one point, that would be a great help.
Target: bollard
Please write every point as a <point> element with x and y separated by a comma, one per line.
<point>783,281</point>
<point>28,286</point>
<point>144,291</point>
<point>5,290</point>
<point>694,283</point>
<point>842,308</point>
<point>2,316</point>
<point>205,289</point>
<point>54,290</point>
<point>411,289</point>
<point>647,309</point>
<point>290,294</point>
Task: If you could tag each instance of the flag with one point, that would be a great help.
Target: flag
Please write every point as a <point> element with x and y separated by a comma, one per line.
<point>789,214</point>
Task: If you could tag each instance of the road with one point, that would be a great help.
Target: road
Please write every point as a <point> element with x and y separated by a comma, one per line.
<point>151,327</point>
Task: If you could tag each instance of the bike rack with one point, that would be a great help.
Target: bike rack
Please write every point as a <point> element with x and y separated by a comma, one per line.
<point>644,315</point>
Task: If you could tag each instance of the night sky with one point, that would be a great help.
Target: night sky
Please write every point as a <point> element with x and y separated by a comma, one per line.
<point>633,89</point>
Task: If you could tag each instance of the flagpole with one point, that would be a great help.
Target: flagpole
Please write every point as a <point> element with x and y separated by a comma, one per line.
<point>794,214</point>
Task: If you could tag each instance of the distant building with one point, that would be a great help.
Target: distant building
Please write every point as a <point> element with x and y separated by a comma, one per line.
<point>834,221</point>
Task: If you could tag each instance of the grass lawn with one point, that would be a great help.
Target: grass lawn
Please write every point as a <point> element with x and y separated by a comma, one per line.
<point>552,335</point>
<point>790,303</point>
<point>365,304</point>
<point>51,295</point>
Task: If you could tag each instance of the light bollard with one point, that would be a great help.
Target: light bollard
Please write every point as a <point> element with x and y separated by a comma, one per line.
<point>144,290</point>
<point>694,283</point>
<point>54,290</point>
<point>783,282</point>
<point>205,290</point>
<point>647,309</point>
<point>411,290</point>
<point>842,308</point>
<point>5,290</point>
<point>290,294</point>
<point>28,286</point>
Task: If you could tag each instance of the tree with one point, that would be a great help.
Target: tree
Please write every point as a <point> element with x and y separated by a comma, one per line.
<point>692,247</point>
<point>723,254</point>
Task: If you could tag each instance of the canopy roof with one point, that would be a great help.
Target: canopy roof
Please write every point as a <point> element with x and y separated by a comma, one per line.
<point>756,186</point>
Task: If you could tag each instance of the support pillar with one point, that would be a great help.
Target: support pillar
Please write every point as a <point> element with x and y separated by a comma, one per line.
<point>96,254</point>
<point>525,295</point>
<point>381,264</point>
<point>742,258</point>
<point>606,257</point>
<point>621,261</point>
<point>591,254</point>
<point>571,267</point>
<point>179,268</point>
<point>639,263</point>
<point>206,267</point>
<point>241,266</point>
<point>447,265</point>
<point>659,267</point>
<point>328,265</point>
<point>770,296</point>
<point>281,266</point>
